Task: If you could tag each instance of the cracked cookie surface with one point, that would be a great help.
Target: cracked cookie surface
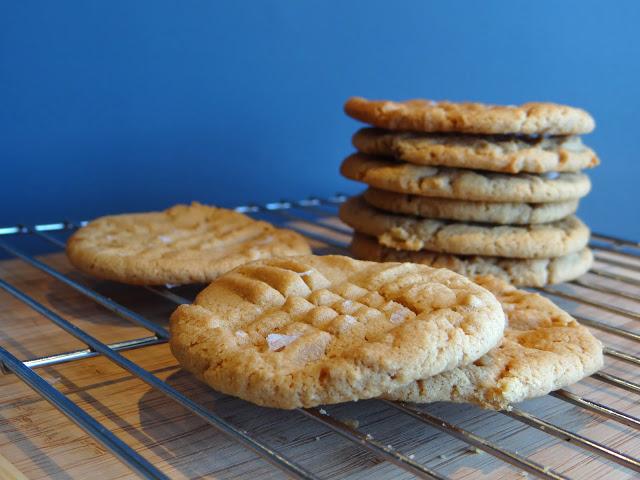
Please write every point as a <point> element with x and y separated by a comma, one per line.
<point>183,244</point>
<point>428,116</point>
<point>522,272</point>
<point>311,330</point>
<point>463,184</point>
<point>404,232</point>
<point>507,213</point>
<point>543,349</point>
<point>494,153</point>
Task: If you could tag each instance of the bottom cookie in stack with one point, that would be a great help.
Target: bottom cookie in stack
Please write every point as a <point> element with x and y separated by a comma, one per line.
<point>531,255</point>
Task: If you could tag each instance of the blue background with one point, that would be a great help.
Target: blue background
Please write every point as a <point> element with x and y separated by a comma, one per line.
<point>132,105</point>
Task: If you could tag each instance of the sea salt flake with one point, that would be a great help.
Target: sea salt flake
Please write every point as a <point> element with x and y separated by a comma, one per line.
<point>348,306</point>
<point>349,320</point>
<point>412,456</point>
<point>551,175</point>
<point>165,238</point>
<point>400,315</point>
<point>277,341</point>
<point>306,273</point>
<point>171,285</point>
<point>241,335</point>
<point>322,411</point>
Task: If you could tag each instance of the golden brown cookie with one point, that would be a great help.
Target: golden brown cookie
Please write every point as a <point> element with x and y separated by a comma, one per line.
<point>496,153</point>
<point>522,272</point>
<point>478,118</point>
<point>404,232</point>
<point>184,244</point>
<point>543,349</point>
<point>313,330</point>
<point>463,184</point>
<point>505,213</point>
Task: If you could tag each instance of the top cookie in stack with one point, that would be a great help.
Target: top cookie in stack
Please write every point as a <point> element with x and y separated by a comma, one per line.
<point>480,189</point>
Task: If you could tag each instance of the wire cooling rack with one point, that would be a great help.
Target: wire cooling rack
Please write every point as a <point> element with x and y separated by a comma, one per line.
<point>586,431</point>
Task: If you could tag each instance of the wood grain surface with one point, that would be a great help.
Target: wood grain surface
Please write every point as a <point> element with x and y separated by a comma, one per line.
<point>37,441</point>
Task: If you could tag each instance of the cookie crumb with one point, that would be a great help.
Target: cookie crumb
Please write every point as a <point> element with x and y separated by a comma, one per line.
<point>317,439</point>
<point>411,456</point>
<point>368,436</point>
<point>351,422</point>
<point>241,335</point>
<point>475,450</point>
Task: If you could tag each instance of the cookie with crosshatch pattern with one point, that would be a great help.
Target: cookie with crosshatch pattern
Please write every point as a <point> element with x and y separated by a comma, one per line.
<point>543,349</point>
<point>313,330</point>
<point>183,244</point>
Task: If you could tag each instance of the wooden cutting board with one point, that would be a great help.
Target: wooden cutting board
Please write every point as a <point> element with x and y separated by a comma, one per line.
<point>36,441</point>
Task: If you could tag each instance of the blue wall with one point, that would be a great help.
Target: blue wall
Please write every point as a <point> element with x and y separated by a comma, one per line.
<point>131,105</point>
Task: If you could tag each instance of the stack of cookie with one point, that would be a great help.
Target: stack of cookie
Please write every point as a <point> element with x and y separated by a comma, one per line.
<point>479,189</point>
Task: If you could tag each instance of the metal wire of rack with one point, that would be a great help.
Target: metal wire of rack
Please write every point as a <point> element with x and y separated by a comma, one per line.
<point>617,261</point>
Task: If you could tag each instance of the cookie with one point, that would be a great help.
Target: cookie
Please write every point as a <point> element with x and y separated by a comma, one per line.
<point>543,349</point>
<point>403,232</point>
<point>184,244</point>
<point>462,184</point>
<point>313,330</point>
<point>521,272</point>
<point>429,116</point>
<point>495,153</point>
<point>484,212</point>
